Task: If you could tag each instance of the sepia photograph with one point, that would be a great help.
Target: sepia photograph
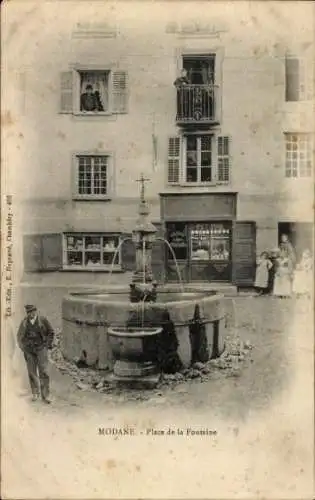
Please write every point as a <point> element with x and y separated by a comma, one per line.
<point>157,250</point>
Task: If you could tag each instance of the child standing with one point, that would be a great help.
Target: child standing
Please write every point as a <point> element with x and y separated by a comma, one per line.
<point>303,276</point>
<point>283,276</point>
<point>264,264</point>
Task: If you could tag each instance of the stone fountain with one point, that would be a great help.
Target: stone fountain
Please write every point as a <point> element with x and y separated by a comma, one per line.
<point>148,330</point>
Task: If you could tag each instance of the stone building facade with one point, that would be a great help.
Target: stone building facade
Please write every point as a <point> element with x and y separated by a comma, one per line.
<point>229,151</point>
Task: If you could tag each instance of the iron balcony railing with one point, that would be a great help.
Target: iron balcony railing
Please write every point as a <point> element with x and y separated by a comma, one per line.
<point>196,104</point>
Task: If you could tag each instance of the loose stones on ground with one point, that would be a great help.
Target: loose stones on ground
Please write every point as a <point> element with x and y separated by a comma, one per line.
<point>228,365</point>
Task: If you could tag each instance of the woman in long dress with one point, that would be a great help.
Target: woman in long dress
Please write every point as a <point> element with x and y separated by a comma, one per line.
<point>283,277</point>
<point>303,275</point>
<point>262,273</point>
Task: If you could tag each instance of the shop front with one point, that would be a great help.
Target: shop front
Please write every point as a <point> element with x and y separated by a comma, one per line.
<point>206,242</point>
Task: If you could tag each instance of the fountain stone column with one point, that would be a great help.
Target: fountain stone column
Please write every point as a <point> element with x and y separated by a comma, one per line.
<point>143,287</point>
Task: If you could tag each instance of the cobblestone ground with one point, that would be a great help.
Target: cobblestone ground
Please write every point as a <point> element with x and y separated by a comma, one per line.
<point>274,339</point>
<point>252,378</point>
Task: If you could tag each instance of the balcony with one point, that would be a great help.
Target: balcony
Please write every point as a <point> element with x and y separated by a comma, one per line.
<point>196,105</point>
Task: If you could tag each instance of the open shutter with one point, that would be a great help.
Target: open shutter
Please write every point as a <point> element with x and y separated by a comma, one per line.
<point>224,163</point>
<point>158,254</point>
<point>51,252</point>
<point>128,254</point>
<point>32,252</point>
<point>292,79</point>
<point>173,173</point>
<point>244,253</point>
<point>66,92</point>
<point>119,92</point>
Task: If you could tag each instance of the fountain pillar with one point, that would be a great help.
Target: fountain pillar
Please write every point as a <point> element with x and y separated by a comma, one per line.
<point>142,287</point>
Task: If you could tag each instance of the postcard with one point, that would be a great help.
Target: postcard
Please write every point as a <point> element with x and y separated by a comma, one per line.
<point>157,250</point>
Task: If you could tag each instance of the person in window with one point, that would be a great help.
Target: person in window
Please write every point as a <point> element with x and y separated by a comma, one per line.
<point>97,94</point>
<point>182,94</point>
<point>90,100</point>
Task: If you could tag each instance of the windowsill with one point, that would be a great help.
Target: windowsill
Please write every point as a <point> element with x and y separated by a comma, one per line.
<point>199,184</point>
<point>93,113</point>
<point>106,269</point>
<point>93,197</point>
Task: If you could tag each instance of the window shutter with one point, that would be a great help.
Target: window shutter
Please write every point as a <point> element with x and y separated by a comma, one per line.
<point>32,252</point>
<point>158,254</point>
<point>51,252</point>
<point>128,254</point>
<point>66,92</point>
<point>292,79</point>
<point>119,92</point>
<point>244,253</point>
<point>223,174</point>
<point>173,174</point>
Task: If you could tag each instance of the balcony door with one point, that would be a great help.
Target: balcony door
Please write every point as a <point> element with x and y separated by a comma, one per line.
<point>200,69</point>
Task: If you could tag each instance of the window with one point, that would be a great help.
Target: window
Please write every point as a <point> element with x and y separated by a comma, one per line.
<point>177,238</point>
<point>297,80</point>
<point>200,69</point>
<point>298,155</point>
<point>91,251</point>
<point>198,166</point>
<point>210,242</point>
<point>199,159</point>
<point>92,175</point>
<point>93,91</point>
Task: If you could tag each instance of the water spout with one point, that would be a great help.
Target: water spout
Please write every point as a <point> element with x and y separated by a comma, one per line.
<point>114,258</point>
<point>176,263</point>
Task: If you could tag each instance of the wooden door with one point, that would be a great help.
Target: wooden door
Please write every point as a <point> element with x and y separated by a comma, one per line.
<point>244,253</point>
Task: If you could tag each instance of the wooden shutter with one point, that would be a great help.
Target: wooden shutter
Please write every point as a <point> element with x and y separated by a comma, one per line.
<point>158,254</point>
<point>119,92</point>
<point>292,79</point>
<point>32,252</point>
<point>173,174</point>
<point>51,252</point>
<point>128,254</point>
<point>224,164</point>
<point>244,253</point>
<point>66,92</point>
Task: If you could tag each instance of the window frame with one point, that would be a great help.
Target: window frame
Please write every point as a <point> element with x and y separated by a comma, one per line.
<point>109,174</point>
<point>84,267</point>
<point>199,167</point>
<point>76,70</point>
<point>288,172</point>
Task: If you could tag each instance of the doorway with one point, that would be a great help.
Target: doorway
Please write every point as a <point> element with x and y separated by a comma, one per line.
<point>300,235</point>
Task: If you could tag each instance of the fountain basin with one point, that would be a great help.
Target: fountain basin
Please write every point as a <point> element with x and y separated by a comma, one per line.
<point>135,352</point>
<point>193,326</point>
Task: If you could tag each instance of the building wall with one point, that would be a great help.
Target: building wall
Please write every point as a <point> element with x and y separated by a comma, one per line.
<point>254,112</point>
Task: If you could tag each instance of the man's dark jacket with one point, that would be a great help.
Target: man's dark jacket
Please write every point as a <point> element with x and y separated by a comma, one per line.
<point>44,334</point>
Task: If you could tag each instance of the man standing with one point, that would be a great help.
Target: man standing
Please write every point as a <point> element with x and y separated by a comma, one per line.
<point>35,336</point>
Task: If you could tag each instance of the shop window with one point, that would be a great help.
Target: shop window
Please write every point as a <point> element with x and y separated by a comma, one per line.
<point>177,238</point>
<point>298,155</point>
<point>210,242</point>
<point>91,251</point>
<point>93,92</point>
